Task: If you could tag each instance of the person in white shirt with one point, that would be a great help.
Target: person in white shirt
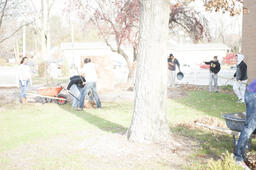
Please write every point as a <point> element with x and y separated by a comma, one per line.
<point>24,78</point>
<point>89,72</point>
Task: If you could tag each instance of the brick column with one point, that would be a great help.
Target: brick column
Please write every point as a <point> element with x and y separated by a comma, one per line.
<point>249,38</point>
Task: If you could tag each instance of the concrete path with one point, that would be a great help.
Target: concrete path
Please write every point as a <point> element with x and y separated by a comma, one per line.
<point>8,77</point>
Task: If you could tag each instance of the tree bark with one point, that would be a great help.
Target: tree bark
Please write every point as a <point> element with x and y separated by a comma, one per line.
<point>149,122</point>
<point>249,38</point>
<point>45,28</point>
<point>24,42</point>
<point>43,44</point>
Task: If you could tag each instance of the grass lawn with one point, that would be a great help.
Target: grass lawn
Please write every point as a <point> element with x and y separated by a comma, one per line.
<point>201,103</point>
<point>25,126</point>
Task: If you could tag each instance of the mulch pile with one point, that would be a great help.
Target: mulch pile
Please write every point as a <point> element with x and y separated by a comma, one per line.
<point>211,121</point>
<point>207,120</point>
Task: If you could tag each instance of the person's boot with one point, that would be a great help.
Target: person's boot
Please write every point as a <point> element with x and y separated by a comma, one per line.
<point>23,100</point>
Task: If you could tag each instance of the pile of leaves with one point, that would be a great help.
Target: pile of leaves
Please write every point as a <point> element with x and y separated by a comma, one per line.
<point>211,121</point>
<point>189,87</point>
<point>207,120</point>
<point>251,160</point>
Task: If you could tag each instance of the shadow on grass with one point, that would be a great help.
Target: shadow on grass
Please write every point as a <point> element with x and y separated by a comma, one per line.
<point>212,144</point>
<point>212,104</point>
<point>97,121</point>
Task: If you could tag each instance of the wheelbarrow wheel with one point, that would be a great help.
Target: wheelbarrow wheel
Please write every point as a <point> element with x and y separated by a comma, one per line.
<point>61,102</point>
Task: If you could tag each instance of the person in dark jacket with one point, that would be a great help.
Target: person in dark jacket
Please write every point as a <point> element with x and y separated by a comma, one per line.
<point>214,70</point>
<point>172,62</point>
<point>249,126</point>
<point>76,84</point>
<point>241,77</point>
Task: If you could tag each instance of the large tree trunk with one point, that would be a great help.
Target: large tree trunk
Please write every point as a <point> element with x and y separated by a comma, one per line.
<point>249,38</point>
<point>149,122</point>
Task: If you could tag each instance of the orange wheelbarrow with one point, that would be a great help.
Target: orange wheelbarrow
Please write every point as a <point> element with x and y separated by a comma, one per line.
<point>51,94</point>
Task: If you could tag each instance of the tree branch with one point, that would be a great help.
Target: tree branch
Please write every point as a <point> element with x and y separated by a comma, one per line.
<point>19,28</point>
<point>3,12</point>
<point>110,46</point>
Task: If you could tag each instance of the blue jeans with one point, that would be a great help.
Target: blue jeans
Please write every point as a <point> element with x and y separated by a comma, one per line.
<point>23,87</point>
<point>84,92</point>
<point>76,92</point>
<point>249,126</point>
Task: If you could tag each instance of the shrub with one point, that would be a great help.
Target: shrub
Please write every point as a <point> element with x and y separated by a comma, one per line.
<point>226,162</point>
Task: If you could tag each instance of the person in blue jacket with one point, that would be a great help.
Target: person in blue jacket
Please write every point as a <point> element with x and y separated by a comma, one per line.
<point>250,123</point>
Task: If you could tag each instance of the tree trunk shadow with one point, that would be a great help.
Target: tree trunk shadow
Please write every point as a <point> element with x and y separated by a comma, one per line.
<point>97,121</point>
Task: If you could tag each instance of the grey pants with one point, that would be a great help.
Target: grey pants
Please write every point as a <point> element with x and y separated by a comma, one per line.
<point>213,77</point>
<point>171,78</point>
<point>239,88</point>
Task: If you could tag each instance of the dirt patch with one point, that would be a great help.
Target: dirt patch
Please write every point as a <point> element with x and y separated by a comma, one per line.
<point>100,150</point>
<point>190,87</point>
<point>9,95</point>
<point>175,93</point>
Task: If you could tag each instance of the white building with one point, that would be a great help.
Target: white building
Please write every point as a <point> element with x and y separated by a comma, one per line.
<point>196,54</point>
<point>111,66</point>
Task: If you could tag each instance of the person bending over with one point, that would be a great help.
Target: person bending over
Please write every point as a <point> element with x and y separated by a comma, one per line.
<point>76,84</point>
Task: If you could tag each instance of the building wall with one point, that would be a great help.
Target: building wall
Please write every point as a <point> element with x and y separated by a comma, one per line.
<point>196,57</point>
<point>249,38</point>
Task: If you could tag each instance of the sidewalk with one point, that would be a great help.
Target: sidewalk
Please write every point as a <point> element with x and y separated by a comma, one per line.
<point>8,77</point>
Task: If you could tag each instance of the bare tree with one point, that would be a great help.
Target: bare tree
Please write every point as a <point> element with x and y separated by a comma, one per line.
<point>17,10</point>
<point>46,6</point>
<point>118,20</point>
<point>3,5</point>
<point>117,23</point>
<point>189,20</point>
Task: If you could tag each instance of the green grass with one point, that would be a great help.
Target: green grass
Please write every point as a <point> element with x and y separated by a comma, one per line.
<point>33,123</point>
<point>25,124</point>
<point>201,103</point>
<point>212,145</point>
<point>197,105</point>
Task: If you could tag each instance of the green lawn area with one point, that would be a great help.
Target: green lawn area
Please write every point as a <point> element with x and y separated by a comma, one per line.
<point>201,103</point>
<point>33,123</point>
